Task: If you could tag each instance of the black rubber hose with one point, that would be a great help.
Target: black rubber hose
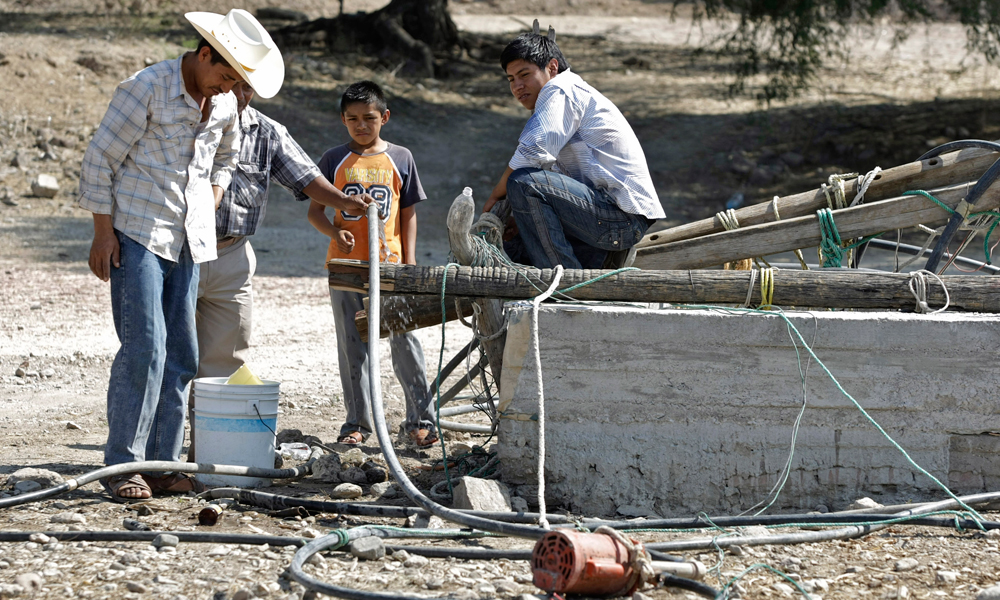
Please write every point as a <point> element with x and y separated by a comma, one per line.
<point>915,250</point>
<point>276,502</point>
<point>957,218</point>
<point>765,520</point>
<point>672,581</point>
<point>810,537</point>
<point>960,145</point>
<point>148,536</point>
<point>335,541</point>
<point>466,553</point>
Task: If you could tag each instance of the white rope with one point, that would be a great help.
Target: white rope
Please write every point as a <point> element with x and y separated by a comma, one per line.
<point>638,559</point>
<point>918,287</point>
<point>797,251</point>
<point>836,195</point>
<point>863,185</point>
<point>753,280</point>
<point>534,350</point>
<point>728,219</point>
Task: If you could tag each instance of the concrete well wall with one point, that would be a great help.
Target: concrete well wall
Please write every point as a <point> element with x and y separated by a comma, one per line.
<point>676,411</point>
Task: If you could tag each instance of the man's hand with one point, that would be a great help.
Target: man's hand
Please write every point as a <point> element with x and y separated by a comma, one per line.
<point>357,204</point>
<point>104,251</point>
<point>345,240</point>
<point>490,202</point>
<point>499,190</point>
<point>217,192</point>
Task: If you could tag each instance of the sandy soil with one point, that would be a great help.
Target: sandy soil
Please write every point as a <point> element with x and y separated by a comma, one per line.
<point>60,61</point>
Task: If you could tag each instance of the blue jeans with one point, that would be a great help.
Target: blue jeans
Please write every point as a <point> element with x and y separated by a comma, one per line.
<point>153,305</point>
<point>564,222</point>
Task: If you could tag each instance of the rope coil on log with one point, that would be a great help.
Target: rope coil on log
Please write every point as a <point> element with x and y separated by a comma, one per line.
<point>918,285</point>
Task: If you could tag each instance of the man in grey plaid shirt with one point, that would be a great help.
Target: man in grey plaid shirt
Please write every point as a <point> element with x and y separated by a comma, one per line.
<point>225,294</point>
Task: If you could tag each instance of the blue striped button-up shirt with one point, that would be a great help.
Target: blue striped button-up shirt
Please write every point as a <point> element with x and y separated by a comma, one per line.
<point>152,163</point>
<point>266,152</point>
<point>576,131</point>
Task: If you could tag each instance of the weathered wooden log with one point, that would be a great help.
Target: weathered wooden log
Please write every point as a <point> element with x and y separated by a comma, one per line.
<point>408,313</point>
<point>804,232</point>
<point>820,288</point>
<point>947,170</point>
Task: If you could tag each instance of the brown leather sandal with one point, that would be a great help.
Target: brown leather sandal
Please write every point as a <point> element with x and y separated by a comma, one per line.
<point>351,439</point>
<point>423,438</point>
<point>175,483</point>
<point>117,484</point>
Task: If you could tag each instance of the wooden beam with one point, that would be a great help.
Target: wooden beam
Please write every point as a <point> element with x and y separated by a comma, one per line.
<point>804,232</point>
<point>823,288</point>
<point>947,170</point>
<point>408,313</point>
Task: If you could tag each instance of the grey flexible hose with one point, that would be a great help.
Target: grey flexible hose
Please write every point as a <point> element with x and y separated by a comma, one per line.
<point>162,466</point>
<point>378,412</point>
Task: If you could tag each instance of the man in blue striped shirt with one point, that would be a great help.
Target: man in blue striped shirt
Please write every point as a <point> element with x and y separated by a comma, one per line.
<point>225,290</point>
<point>578,184</point>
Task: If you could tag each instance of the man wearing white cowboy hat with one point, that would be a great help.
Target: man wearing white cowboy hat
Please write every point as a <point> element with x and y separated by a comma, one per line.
<point>153,175</point>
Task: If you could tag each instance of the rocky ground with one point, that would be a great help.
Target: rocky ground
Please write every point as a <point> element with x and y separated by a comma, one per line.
<point>60,61</point>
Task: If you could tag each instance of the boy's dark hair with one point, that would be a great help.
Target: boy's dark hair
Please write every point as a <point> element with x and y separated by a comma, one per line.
<point>534,48</point>
<point>365,92</point>
<point>216,55</point>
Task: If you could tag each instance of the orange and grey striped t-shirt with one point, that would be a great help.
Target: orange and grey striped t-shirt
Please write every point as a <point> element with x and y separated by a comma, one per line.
<point>390,177</point>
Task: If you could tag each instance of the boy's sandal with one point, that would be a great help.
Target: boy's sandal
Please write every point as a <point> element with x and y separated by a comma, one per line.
<point>116,485</point>
<point>423,438</point>
<point>175,483</point>
<point>351,439</point>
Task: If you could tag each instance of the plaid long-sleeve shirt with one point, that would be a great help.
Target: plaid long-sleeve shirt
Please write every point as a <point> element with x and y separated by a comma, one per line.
<point>267,152</point>
<point>152,163</point>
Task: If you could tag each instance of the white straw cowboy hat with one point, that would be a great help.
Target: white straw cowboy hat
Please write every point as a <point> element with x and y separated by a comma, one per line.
<point>245,45</point>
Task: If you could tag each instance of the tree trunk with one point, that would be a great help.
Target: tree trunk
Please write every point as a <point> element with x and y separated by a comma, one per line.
<point>412,31</point>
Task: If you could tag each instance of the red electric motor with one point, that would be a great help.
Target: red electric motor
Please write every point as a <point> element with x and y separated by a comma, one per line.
<point>573,562</point>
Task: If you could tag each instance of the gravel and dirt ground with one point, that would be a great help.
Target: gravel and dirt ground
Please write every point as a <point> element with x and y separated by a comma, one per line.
<point>59,62</point>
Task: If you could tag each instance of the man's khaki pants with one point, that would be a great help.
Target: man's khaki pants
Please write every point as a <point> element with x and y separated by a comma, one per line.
<point>224,316</point>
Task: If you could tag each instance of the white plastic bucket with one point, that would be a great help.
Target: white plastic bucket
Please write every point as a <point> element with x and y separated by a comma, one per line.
<point>235,425</point>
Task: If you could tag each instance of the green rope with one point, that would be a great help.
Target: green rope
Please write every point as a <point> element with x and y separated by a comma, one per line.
<point>840,388</point>
<point>725,590</point>
<point>831,246</point>
<point>342,538</point>
<point>437,403</point>
<point>595,279</point>
<point>991,213</point>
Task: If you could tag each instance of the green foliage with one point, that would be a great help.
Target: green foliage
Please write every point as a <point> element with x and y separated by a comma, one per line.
<point>787,41</point>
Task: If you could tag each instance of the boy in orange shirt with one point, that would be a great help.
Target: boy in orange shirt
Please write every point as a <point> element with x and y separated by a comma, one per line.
<point>368,164</point>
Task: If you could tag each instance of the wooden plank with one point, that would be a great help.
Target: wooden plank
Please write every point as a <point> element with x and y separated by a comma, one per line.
<point>944,171</point>
<point>804,232</point>
<point>823,288</point>
<point>409,313</point>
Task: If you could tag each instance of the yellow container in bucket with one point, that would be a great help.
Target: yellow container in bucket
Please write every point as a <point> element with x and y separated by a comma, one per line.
<point>235,425</point>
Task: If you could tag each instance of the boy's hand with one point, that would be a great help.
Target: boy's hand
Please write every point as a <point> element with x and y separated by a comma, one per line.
<point>345,240</point>
<point>493,199</point>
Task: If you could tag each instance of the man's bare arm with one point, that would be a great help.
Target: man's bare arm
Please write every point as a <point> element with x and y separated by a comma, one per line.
<point>324,192</point>
<point>104,251</point>
<point>499,192</point>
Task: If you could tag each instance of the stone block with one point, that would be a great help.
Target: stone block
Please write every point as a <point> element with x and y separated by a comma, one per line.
<point>367,548</point>
<point>472,493</point>
<point>679,411</point>
<point>45,186</point>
